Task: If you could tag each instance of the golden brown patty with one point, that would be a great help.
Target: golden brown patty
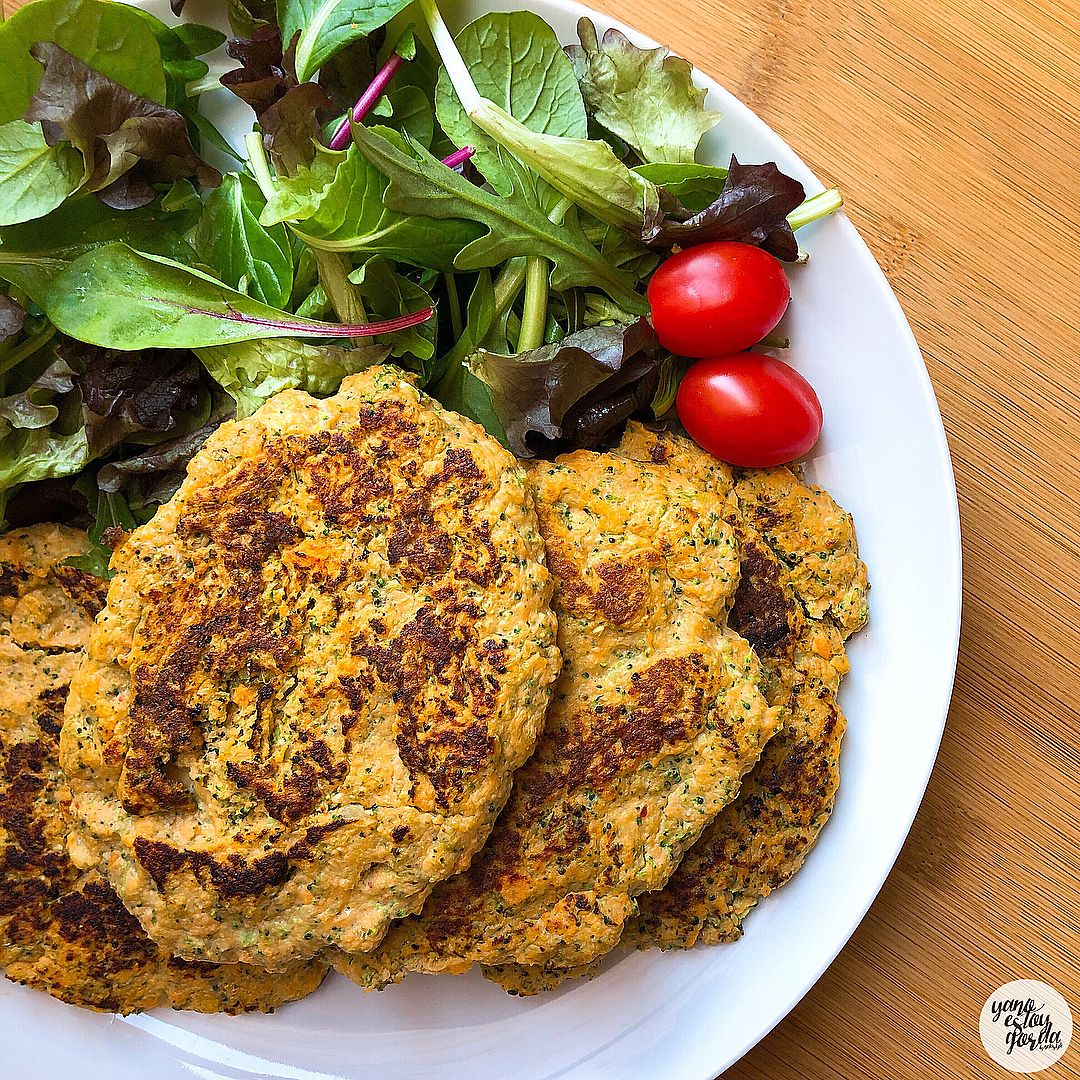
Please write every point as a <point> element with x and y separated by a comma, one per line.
<point>63,930</point>
<point>808,564</point>
<point>655,718</point>
<point>319,666</point>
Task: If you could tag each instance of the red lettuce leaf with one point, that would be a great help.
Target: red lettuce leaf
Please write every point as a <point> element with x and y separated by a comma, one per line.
<point>12,317</point>
<point>128,143</point>
<point>574,393</point>
<point>140,392</point>
<point>752,208</point>
<point>265,74</point>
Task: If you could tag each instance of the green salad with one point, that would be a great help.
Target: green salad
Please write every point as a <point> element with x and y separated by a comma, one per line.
<point>487,210</point>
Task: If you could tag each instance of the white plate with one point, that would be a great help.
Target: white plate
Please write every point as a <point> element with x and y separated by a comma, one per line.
<point>677,1015</point>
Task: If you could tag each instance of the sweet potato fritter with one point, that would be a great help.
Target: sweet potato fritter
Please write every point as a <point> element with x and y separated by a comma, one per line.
<point>802,592</point>
<point>656,717</point>
<point>63,930</point>
<point>319,666</point>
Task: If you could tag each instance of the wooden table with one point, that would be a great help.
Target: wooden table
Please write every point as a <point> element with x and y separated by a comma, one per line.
<point>950,126</point>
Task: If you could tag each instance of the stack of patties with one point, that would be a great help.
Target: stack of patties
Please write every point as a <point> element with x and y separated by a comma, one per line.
<point>802,593</point>
<point>318,668</point>
<point>656,717</point>
<point>63,929</point>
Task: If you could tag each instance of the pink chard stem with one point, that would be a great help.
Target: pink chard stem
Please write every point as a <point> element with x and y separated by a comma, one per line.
<point>340,139</point>
<point>458,158</point>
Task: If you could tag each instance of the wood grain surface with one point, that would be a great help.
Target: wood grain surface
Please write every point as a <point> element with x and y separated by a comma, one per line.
<point>951,127</point>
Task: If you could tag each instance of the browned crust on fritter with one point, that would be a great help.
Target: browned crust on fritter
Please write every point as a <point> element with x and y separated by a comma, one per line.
<point>654,719</point>
<point>805,559</point>
<point>339,628</point>
<point>62,930</point>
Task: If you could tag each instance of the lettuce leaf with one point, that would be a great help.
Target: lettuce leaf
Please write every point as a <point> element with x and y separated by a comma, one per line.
<point>646,97</point>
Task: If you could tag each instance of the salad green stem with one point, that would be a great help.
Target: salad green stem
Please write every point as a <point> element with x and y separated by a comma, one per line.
<point>456,68</point>
<point>508,284</point>
<point>534,314</point>
<point>26,349</point>
<point>456,324</point>
<point>368,99</point>
<point>334,270</point>
<point>817,206</point>
<point>259,164</point>
<point>203,85</point>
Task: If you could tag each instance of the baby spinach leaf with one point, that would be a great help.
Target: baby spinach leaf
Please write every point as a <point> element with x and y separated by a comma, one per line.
<point>516,61</point>
<point>327,26</point>
<point>114,39</point>
<point>572,393</point>
<point>35,178</point>
<point>387,294</point>
<point>752,208</point>
<point>30,257</point>
<point>695,186</point>
<point>121,298</point>
<point>340,203</point>
<point>249,256</point>
<point>646,97</point>
<point>253,371</point>
<point>127,142</point>
<point>585,171</point>
<point>515,224</point>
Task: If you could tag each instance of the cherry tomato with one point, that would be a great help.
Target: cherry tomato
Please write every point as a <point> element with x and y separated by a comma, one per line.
<point>717,298</point>
<point>749,409</point>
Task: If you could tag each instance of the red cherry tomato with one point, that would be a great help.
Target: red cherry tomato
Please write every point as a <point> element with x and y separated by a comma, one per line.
<point>749,409</point>
<point>717,298</point>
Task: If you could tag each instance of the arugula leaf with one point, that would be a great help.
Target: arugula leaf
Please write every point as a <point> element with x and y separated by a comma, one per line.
<point>35,178</point>
<point>341,203</point>
<point>245,254</point>
<point>516,224</point>
<point>252,372</point>
<point>575,392</point>
<point>752,208</point>
<point>327,26</point>
<point>114,39</point>
<point>387,294</point>
<point>695,186</point>
<point>515,60</point>
<point>128,143</point>
<point>646,97</point>
<point>121,298</point>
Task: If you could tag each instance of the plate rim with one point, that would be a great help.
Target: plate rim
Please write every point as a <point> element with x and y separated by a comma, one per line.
<point>719,1058</point>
